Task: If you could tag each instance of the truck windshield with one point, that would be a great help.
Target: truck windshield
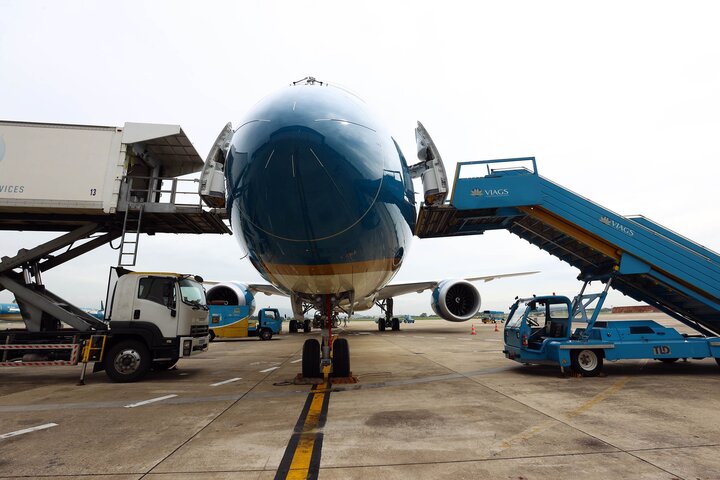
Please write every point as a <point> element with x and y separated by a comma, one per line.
<point>514,319</point>
<point>192,293</point>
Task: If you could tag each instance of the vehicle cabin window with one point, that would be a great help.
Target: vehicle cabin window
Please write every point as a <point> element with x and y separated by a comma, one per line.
<point>269,314</point>
<point>515,318</point>
<point>158,290</point>
<point>558,311</point>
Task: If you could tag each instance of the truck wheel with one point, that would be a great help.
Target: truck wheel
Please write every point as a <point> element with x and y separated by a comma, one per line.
<point>381,324</point>
<point>127,361</point>
<point>265,334</point>
<point>311,359</point>
<point>395,324</point>
<point>307,326</point>
<point>162,365</point>
<point>669,360</point>
<point>293,326</point>
<point>587,363</point>
<point>212,335</point>
<point>341,358</point>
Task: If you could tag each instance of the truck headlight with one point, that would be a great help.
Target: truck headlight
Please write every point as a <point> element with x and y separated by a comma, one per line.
<point>187,348</point>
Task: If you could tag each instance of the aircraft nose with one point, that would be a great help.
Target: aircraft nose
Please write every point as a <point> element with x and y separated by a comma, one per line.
<point>309,182</point>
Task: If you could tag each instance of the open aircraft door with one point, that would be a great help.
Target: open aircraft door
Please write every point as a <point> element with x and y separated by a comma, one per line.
<point>212,178</point>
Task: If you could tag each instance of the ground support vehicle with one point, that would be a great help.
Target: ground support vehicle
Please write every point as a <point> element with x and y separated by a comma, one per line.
<point>233,321</point>
<point>540,330</point>
<point>492,316</point>
<point>152,320</point>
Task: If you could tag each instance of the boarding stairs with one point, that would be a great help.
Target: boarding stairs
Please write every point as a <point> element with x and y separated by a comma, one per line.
<point>649,262</point>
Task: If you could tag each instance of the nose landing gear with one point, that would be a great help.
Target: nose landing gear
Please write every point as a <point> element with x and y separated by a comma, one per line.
<point>329,352</point>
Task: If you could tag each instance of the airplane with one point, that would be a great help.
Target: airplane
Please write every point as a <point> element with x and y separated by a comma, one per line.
<point>322,199</point>
<point>10,312</point>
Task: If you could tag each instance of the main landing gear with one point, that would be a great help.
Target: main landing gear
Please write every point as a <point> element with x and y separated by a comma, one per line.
<point>295,326</point>
<point>389,321</point>
<point>329,352</point>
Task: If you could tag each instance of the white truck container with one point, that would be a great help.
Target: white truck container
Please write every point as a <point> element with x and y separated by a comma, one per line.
<point>76,169</point>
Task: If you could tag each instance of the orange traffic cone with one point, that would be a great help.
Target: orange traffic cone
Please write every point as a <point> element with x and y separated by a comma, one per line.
<point>473,332</point>
<point>496,327</point>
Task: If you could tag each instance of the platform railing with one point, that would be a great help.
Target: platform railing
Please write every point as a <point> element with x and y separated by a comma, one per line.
<point>171,191</point>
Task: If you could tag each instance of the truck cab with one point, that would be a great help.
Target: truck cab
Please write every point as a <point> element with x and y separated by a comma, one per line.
<point>162,316</point>
<point>533,323</point>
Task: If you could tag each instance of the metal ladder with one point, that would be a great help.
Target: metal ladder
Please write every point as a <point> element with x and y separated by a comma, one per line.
<point>130,235</point>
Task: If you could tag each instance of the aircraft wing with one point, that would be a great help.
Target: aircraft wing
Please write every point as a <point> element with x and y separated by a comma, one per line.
<point>266,289</point>
<point>390,291</point>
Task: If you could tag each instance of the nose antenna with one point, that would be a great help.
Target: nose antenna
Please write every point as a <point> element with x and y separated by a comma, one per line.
<point>309,81</point>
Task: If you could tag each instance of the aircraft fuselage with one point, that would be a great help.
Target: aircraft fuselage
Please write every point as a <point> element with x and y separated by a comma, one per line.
<point>319,193</point>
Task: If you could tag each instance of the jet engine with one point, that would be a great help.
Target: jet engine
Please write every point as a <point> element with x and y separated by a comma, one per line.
<point>231,293</point>
<point>455,300</point>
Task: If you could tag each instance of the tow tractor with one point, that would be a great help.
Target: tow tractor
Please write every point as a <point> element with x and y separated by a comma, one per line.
<point>539,330</point>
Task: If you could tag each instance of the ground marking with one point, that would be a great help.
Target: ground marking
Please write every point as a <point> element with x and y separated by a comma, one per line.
<point>530,432</point>
<point>296,361</point>
<point>152,400</point>
<point>28,430</point>
<point>225,381</point>
<point>269,369</point>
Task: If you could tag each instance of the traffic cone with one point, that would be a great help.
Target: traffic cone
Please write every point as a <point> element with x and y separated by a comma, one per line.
<point>473,332</point>
<point>496,327</point>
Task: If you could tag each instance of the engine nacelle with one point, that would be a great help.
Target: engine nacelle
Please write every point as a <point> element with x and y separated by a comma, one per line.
<point>455,300</point>
<point>231,293</point>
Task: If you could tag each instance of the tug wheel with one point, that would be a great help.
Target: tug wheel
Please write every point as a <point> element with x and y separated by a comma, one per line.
<point>587,363</point>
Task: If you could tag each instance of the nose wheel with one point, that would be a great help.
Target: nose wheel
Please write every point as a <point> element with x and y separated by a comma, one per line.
<point>333,352</point>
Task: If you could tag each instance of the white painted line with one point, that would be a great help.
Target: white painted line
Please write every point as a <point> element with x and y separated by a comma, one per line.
<point>440,338</point>
<point>297,361</point>
<point>269,369</point>
<point>419,336</point>
<point>225,382</point>
<point>492,340</point>
<point>364,333</point>
<point>28,430</point>
<point>152,400</point>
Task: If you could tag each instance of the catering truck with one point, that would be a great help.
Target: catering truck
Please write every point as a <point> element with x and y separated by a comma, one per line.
<point>151,321</point>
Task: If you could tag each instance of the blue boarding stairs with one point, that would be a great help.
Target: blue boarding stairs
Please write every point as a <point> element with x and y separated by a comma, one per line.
<point>648,262</point>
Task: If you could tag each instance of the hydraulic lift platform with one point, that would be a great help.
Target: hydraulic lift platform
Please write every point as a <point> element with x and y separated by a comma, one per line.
<point>650,262</point>
<point>97,184</point>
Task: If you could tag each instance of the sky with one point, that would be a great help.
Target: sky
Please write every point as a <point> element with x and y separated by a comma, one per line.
<point>617,100</point>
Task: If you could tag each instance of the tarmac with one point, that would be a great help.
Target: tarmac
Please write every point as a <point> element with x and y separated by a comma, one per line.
<point>431,401</point>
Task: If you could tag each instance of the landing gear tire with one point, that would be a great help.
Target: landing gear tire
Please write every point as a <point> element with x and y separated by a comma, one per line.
<point>212,335</point>
<point>311,359</point>
<point>587,363</point>
<point>669,360</point>
<point>307,326</point>
<point>127,361</point>
<point>341,358</point>
<point>381,324</point>
<point>265,334</point>
<point>293,326</point>
<point>396,324</point>
<point>163,365</point>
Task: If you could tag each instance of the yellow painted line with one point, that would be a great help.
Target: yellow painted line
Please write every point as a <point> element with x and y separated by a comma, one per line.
<point>540,427</point>
<point>300,464</point>
<point>616,387</point>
